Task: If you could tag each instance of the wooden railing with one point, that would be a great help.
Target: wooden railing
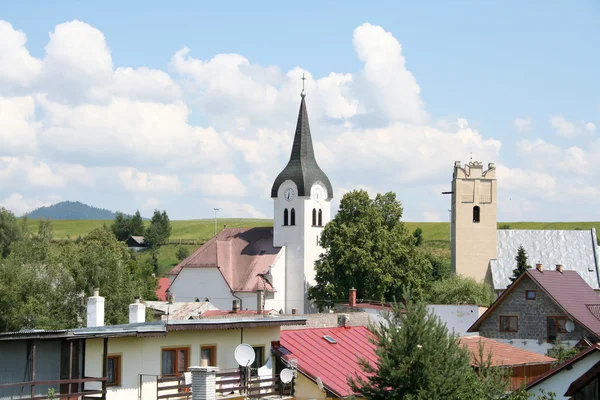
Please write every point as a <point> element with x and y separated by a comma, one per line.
<point>172,387</point>
<point>57,395</point>
<point>252,387</point>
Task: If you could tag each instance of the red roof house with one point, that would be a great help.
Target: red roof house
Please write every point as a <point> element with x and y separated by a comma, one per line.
<point>161,290</point>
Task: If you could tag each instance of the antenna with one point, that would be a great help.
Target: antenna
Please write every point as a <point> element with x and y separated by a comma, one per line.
<point>286,375</point>
<point>244,355</point>
<point>320,384</point>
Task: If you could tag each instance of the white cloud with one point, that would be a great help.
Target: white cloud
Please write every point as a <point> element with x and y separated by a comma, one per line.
<point>150,204</point>
<point>231,209</point>
<point>138,181</point>
<point>523,125</point>
<point>589,126</point>
<point>218,185</point>
<point>528,182</point>
<point>19,205</point>
<point>18,69</point>
<point>15,171</point>
<point>569,129</point>
<point>18,128</point>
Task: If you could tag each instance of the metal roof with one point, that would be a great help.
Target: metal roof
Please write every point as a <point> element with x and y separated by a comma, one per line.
<point>575,250</point>
<point>302,169</point>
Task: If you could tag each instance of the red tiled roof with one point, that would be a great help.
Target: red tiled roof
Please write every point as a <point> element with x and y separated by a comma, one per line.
<point>317,358</point>
<point>560,367</point>
<point>572,294</point>
<point>161,290</point>
<point>241,254</point>
<point>502,354</point>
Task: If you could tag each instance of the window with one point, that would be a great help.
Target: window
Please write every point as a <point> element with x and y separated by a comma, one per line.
<point>314,217</point>
<point>476,214</point>
<point>285,217</point>
<point>555,326</point>
<point>293,217</point>
<point>259,356</point>
<point>114,371</point>
<point>509,323</point>
<point>530,294</point>
<point>209,353</point>
<point>320,217</point>
<point>175,361</point>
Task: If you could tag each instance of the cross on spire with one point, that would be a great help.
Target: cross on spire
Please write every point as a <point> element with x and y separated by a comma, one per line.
<point>303,79</point>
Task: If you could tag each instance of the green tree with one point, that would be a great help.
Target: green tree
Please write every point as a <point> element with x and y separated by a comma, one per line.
<point>182,253</point>
<point>136,225</point>
<point>159,230</point>
<point>10,231</point>
<point>120,226</point>
<point>367,247</point>
<point>441,268</point>
<point>45,230</point>
<point>419,359</point>
<point>461,290</point>
<point>418,235</point>
<point>561,352</point>
<point>522,266</point>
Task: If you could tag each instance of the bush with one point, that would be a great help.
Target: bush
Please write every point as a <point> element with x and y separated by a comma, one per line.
<point>461,290</point>
<point>182,253</point>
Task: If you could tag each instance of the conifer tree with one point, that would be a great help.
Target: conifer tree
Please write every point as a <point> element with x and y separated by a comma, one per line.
<point>522,266</point>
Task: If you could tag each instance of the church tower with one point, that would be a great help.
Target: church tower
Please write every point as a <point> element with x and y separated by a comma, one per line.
<point>302,197</point>
<point>474,221</point>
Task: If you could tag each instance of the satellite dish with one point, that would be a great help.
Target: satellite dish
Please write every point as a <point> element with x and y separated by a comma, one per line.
<point>244,355</point>
<point>320,384</point>
<point>286,375</point>
<point>570,326</point>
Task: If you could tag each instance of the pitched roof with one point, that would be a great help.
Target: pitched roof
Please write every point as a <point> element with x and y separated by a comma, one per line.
<point>232,314</point>
<point>302,169</point>
<point>503,354</point>
<point>137,239</point>
<point>332,363</point>
<point>241,254</point>
<point>161,289</point>
<point>567,289</point>
<point>567,364</point>
<point>575,250</point>
<point>584,380</point>
<point>180,310</point>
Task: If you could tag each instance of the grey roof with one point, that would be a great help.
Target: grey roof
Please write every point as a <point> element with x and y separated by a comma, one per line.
<point>180,310</point>
<point>575,250</point>
<point>302,169</point>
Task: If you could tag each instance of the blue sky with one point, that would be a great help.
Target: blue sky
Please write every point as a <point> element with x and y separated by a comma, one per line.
<point>488,63</point>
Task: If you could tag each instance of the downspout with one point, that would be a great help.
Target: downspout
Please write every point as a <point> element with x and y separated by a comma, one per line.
<point>233,294</point>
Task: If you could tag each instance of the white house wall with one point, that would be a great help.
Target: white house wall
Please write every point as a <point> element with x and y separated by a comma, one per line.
<point>560,382</point>
<point>142,355</point>
<point>202,283</point>
<point>276,301</point>
<point>458,318</point>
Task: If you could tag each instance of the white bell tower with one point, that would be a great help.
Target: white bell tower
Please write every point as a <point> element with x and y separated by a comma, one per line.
<point>302,197</point>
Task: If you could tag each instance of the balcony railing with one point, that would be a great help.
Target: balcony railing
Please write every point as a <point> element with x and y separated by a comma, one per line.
<point>69,393</point>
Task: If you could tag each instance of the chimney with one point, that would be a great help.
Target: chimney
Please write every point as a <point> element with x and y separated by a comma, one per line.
<point>235,306</point>
<point>539,267</point>
<point>559,268</point>
<point>137,312</point>
<point>342,320</point>
<point>95,310</point>
<point>352,298</point>
<point>260,300</point>
<point>294,311</point>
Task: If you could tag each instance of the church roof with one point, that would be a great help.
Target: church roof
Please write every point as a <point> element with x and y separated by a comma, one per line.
<point>575,250</point>
<point>241,254</point>
<point>302,169</point>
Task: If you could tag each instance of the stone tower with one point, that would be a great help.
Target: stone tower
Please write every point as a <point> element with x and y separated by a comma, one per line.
<point>302,197</point>
<point>474,220</point>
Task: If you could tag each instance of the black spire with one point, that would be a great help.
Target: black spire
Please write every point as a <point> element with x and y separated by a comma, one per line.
<point>302,168</point>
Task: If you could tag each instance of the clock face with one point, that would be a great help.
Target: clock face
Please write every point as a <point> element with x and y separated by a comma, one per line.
<point>289,194</point>
<point>317,193</point>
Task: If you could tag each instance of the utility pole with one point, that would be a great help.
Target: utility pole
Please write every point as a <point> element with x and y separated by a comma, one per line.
<point>216,209</point>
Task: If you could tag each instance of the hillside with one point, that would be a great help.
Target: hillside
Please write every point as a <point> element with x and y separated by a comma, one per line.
<point>71,210</point>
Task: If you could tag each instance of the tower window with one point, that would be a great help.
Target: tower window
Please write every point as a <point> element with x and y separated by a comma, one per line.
<point>314,217</point>
<point>285,217</point>
<point>476,214</point>
<point>293,217</point>
<point>320,217</point>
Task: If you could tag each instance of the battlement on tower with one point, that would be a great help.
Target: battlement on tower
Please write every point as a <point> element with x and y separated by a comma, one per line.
<point>474,170</point>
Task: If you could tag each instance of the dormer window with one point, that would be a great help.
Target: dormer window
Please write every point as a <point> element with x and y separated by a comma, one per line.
<point>285,217</point>
<point>476,214</point>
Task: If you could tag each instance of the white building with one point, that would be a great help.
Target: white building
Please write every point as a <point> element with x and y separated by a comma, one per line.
<point>268,268</point>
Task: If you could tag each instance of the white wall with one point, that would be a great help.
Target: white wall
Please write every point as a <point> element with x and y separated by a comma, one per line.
<point>534,345</point>
<point>142,355</point>
<point>276,301</point>
<point>458,318</point>
<point>560,382</point>
<point>202,283</point>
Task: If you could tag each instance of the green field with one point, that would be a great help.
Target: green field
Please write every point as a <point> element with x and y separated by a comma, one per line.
<point>436,235</point>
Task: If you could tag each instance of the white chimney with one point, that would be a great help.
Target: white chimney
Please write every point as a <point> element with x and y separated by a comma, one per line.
<point>137,312</point>
<point>95,310</point>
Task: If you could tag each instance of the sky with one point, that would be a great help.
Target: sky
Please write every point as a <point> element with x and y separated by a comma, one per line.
<point>187,106</point>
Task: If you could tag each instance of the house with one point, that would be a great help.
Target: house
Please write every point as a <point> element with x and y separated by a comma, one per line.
<point>165,310</point>
<point>276,262</point>
<point>560,378</point>
<point>482,251</point>
<point>130,360</point>
<point>524,365</point>
<point>587,386</point>
<point>542,307</point>
<point>136,243</point>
